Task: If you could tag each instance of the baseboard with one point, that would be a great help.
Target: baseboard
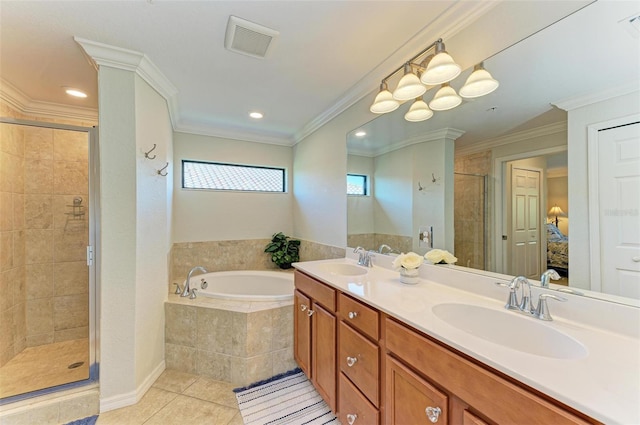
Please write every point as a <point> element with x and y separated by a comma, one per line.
<point>130,398</point>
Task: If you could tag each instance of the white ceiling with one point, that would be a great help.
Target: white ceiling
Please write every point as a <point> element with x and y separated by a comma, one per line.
<point>324,50</point>
<point>329,55</point>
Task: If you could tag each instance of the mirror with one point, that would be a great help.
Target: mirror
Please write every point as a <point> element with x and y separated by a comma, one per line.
<point>514,133</point>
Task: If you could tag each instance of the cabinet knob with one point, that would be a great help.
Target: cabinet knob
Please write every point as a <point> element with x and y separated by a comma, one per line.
<point>303,307</point>
<point>351,361</point>
<point>310,313</point>
<point>353,314</point>
<point>351,418</point>
<point>433,413</point>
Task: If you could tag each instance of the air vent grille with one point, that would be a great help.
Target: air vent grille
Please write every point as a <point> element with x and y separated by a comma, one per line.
<point>248,38</point>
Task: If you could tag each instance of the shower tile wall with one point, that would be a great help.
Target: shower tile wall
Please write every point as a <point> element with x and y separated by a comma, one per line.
<point>468,207</point>
<point>56,275</point>
<point>12,240</point>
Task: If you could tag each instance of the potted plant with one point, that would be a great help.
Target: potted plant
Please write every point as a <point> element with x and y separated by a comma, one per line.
<point>283,250</point>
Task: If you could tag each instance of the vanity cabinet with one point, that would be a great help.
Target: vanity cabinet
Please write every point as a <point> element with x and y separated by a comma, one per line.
<point>315,335</point>
<point>359,362</point>
<point>476,394</point>
<point>386,372</point>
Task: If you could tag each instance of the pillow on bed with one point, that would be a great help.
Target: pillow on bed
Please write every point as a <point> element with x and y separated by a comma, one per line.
<point>554,234</point>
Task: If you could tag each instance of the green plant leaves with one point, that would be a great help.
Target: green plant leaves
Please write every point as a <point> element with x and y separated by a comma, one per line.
<point>283,250</point>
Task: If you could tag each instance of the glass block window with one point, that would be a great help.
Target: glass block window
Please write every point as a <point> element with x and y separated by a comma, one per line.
<point>218,176</point>
<point>357,184</point>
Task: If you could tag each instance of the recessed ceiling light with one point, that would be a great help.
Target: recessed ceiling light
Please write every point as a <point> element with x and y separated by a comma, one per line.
<point>256,115</point>
<point>361,133</point>
<point>74,92</point>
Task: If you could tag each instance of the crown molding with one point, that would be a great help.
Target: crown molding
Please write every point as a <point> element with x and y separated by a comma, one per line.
<point>591,98</point>
<point>432,136</point>
<point>460,14</point>
<point>22,103</point>
<point>100,54</point>
<point>520,136</point>
<point>230,134</point>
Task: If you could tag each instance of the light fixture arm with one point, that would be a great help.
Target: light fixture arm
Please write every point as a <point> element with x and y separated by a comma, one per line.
<point>439,46</point>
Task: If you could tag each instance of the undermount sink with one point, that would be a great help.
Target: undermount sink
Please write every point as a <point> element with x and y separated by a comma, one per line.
<point>511,330</point>
<point>344,269</point>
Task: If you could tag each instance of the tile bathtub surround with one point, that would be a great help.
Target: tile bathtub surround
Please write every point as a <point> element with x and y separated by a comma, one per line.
<point>234,342</point>
<point>236,255</point>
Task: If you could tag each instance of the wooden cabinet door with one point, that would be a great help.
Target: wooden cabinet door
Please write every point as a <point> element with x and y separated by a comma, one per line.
<point>324,354</point>
<point>302,332</point>
<point>355,409</point>
<point>410,399</point>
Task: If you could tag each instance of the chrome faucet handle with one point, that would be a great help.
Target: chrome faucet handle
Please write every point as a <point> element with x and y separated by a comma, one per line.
<point>193,294</point>
<point>512,301</point>
<point>548,275</point>
<point>362,255</point>
<point>368,259</point>
<point>178,290</point>
<point>542,311</point>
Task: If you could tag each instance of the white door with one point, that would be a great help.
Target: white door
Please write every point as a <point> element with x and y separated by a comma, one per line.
<point>525,223</point>
<point>619,199</point>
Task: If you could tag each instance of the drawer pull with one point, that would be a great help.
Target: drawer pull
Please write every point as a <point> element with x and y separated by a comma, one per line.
<point>303,307</point>
<point>433,413</point>
<point>353,314</point>
<point>351,418</point>
<point>310,313</point>
<point>351,361</point>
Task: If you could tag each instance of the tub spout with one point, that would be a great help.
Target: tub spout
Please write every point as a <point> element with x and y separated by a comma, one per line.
<point>187,287</point>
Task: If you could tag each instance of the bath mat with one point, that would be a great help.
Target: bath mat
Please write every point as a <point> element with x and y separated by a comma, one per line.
<point>91,420</point>
<point>288,398</point>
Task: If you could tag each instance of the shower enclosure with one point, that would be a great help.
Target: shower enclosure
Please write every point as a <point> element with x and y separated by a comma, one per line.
<point>47,276</point>
<point>470,219</point>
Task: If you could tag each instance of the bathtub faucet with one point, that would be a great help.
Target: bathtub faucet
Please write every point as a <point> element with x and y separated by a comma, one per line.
<point>187,288</point>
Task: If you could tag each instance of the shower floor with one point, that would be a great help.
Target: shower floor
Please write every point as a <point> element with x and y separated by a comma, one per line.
<point>45,366</point>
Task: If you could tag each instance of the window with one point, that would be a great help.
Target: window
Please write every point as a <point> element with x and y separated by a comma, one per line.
<point>218,176</point>
<point>357,184</point>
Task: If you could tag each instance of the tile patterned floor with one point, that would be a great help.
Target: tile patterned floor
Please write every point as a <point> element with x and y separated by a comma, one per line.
<point>44,366</point>
<point>180,398</point>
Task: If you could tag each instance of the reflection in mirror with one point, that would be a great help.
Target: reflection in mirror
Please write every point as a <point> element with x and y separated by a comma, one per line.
<point>492,202</point>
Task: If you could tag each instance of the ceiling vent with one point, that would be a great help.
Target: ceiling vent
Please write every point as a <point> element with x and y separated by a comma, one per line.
<point>249,39</point>
<point>632,25</point>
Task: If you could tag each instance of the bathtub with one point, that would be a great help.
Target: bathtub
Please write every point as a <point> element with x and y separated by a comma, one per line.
<point>245,285</point>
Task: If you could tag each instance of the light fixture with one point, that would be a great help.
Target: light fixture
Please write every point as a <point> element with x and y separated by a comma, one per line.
<point>360,133</point>
<point>479,83</point>
<point>446,98</point>
<point>75,92</point>
<point>409,86</point>
<point>419,111</point>
<point>384,101</point>
<point>440,68</point>
<point>556,212</point>
<point>256,115</point>
<point>437,68</point>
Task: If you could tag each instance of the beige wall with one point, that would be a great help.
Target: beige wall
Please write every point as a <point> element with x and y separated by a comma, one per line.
<point>209,215</point>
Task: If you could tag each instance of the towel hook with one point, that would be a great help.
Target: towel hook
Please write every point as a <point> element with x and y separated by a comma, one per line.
<point>146,154</point>
<point>162,169</point>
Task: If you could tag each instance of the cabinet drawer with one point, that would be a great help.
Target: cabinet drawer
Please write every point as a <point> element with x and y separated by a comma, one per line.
<point>359,361</point>
<point>473,383</point>
<point>359,316</point>
<point>410,399</point>
<point>320,292</point>
<point>354,408</point>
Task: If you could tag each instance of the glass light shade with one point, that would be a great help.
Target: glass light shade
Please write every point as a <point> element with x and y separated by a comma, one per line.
<point>479,83</point>
<point>440,69</point>
<point>446,98</point>
<point>384,102</point>
<point>419,111</point>
<point>409,86</point>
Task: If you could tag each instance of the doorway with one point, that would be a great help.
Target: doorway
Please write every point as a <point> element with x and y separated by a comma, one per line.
<point>48,339</point>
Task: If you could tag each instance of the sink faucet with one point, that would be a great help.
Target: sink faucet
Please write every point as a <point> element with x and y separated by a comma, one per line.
<point>548,275</point>
<point>525,305</point>
<point>383,247</point>
<point>519,282</point>
<point>187,288</point>
<point>364,256</point>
